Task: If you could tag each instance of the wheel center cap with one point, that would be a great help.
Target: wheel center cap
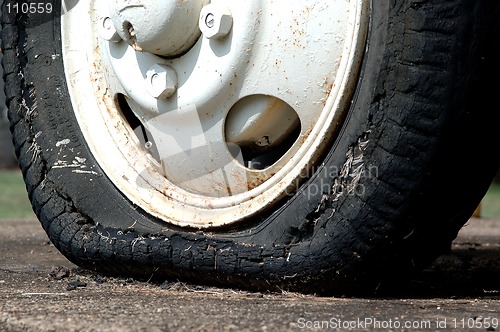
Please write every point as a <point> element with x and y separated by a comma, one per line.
<point>165,28</point>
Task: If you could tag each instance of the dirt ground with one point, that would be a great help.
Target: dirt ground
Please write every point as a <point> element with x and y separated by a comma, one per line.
<point>41,291</point>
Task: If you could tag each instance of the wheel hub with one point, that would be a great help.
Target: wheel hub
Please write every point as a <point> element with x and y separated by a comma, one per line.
<point>165,28</point>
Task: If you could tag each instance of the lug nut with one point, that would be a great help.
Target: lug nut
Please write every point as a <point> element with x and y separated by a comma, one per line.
<point>161,81</point>
<point>215,21</point>
<point>210,20</point>
<point>107,30</point>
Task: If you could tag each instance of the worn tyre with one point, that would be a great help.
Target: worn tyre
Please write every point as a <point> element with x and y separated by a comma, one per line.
<point>404,170</point>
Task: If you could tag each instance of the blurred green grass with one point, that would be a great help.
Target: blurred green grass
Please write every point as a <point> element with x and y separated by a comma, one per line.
<point>490,205</point>
<point>14,203</point>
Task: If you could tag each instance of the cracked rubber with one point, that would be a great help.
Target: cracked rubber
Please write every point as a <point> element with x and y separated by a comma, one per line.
<point>415,155</point>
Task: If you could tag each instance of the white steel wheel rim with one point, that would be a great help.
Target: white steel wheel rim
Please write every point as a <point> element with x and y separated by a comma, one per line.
<point>99,69</point>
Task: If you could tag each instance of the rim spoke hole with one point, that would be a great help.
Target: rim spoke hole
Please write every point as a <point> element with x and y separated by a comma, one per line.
<point>271,156</point>
<point>144,137</point>
<point>264,127</point>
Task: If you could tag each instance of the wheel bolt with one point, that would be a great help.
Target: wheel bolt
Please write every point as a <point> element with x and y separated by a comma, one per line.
<point>215,21</point>
<point>210,20</point>
<point>161,81</point>
<point>107,30</point>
